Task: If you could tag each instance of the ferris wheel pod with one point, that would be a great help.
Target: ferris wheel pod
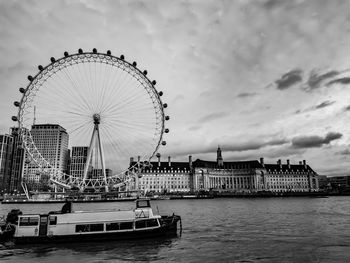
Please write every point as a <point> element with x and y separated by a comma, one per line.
<point>66,54</point>
<point>163,143</point>
<point>80,51</point>
<point>154,82</point>
<point>158,155</point>
<point>160,93</point>
<point>22,90</point>
<point>53,60</point>
<point>94,50</point>
<point>134,64</point>
<point>16,103</point>
<point>122,57</point>
<point>40,67</point>
<point>14,118</point>
<point>167,118</point>
<point>166,130</point>
<point>144,72</point>
<point>30,78</point>
<point>109,52</point>
<point>165,105</point>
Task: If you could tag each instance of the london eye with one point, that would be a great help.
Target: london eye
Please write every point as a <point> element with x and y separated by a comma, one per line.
<point>104,103</point>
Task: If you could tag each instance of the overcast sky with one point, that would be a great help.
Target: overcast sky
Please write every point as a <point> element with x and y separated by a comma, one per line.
<point>259,78</point>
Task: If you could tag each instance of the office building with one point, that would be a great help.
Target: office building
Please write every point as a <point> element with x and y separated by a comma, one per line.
<point>51,141</point>
<point>6,145</point>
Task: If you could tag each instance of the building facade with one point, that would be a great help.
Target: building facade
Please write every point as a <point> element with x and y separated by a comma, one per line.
<point>289,177</point>
<point>78,160</point>
<point>6,145</point>
<point>236,177</point>
<point>339,182</point>
<point>17,162</point>
<point>166,177</point>
<point>51,141</point>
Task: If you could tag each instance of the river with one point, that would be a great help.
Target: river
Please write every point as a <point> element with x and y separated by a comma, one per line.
<point>291,229</point>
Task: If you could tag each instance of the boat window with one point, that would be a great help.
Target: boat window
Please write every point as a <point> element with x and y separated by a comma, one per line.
<point>140,224</point>
<point>152,222</point>
<point>112,226</point>
<point>89,228</point>
<point>126,225</point>
<point>53,220</point>
<point>146,223</point>
<point>28,221</point>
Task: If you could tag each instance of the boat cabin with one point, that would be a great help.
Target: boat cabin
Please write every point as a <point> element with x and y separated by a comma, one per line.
<point>68,222</point>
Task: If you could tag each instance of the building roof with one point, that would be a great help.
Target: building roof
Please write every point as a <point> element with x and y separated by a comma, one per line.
<point>165,166</point>
<point>228,165</point>
<point>292,168</point>
<point>48,126</point>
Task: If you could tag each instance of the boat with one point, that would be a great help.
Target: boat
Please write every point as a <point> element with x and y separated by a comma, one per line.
<point>67,225</point>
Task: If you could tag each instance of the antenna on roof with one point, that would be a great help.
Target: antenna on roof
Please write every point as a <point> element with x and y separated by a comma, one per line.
<point>34,115</point>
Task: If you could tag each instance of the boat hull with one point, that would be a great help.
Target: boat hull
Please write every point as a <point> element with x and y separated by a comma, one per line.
<point>167,229</point>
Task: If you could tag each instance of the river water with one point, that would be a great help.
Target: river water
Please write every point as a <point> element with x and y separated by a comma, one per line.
<point>299,229</point>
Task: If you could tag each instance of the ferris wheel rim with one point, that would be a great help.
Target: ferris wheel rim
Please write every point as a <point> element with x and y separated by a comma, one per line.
<point>71,59</point>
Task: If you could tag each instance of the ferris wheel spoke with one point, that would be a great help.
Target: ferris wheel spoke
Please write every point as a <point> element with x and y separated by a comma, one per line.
<point>123,103</point>
<point>57,92</point>
<point>73,92</point>
<point>107,88</point>
<point>116,85</point>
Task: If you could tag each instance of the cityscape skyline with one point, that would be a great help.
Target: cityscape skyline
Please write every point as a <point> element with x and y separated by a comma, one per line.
<point>271,87</point>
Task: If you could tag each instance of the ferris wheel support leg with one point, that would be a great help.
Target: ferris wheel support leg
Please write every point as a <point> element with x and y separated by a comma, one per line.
<point>102,160</point>
<point>88,159</point>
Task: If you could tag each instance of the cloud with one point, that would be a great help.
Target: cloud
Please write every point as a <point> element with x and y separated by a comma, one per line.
<point>247,94</point>
<point>253,145</point>
<point>344,152</point>
<point>213,116</point>
<point>242,146</point>
<point>289,79</point>
<point>324,104</point>
<point>272,3</point>
<point>315,79</point>
<point>344,80</point>
<point>347,108</point>
<point>314,141</point>
<point>178,98</point>
<point>194,128</point>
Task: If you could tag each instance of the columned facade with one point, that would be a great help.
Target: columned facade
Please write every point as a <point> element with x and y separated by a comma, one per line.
<point>230,176</point>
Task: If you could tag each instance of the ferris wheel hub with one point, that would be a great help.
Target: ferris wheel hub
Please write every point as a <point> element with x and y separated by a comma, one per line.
<point>97,118</point>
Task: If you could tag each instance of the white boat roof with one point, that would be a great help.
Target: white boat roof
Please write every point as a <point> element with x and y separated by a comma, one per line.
<point>81,216</point>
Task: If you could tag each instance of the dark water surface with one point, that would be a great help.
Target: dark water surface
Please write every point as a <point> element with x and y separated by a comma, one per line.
<point>216,230</point>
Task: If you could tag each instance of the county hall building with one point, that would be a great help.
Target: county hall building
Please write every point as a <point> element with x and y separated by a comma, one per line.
<point>238,177</point>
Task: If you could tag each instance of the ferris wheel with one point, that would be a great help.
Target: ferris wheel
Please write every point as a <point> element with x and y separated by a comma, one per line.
<point>105,105</point>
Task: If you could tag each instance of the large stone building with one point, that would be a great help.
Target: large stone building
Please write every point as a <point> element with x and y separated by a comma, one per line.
<point>289,177</point>
<point>244,176</point>
<point>237,177</point>
<point>167,177</point>
<point>51,141</point>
